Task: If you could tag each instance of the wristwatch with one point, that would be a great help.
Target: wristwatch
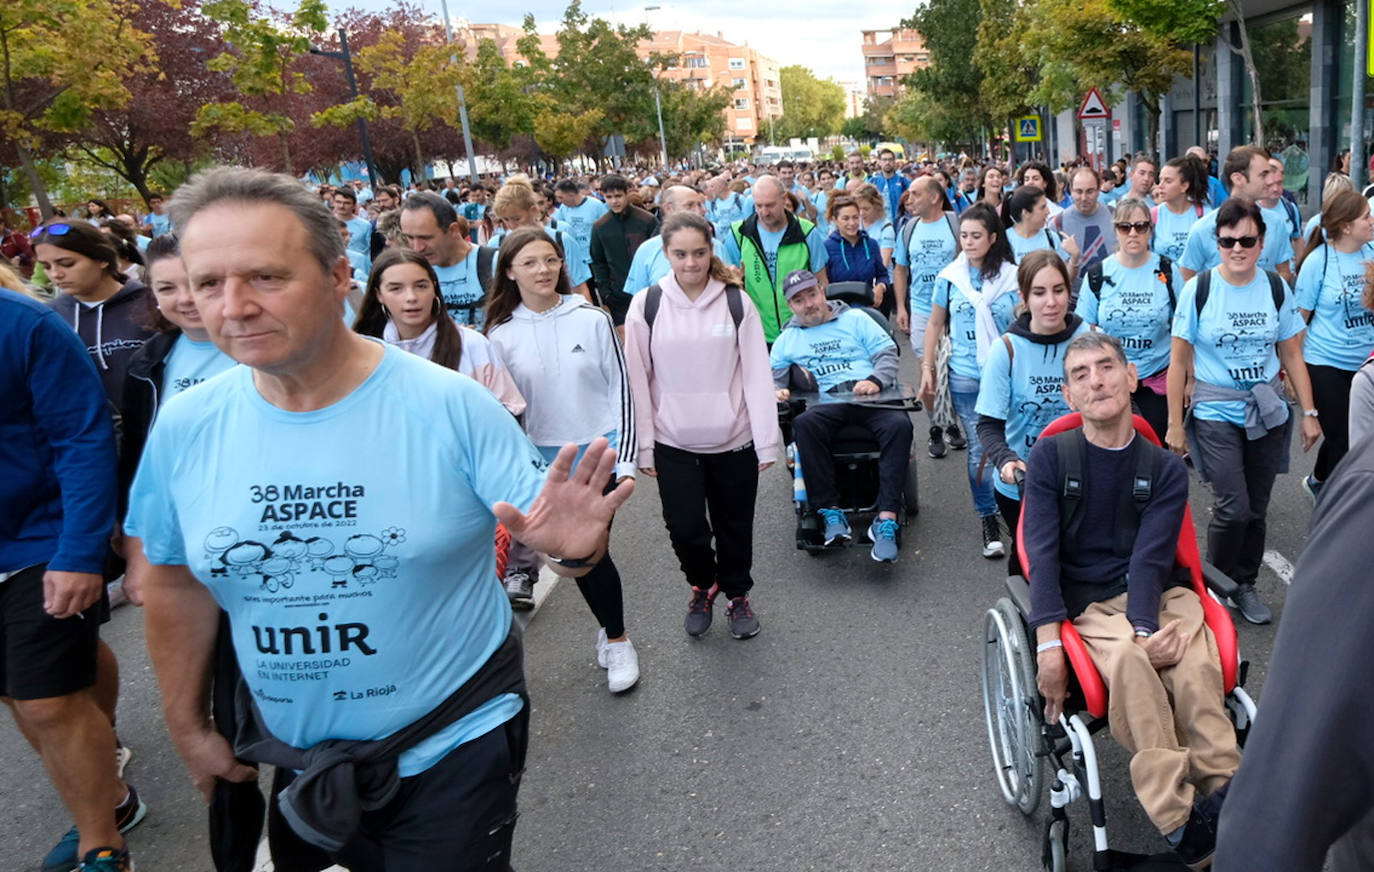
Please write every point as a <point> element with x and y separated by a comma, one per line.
<point>1310,413</point>
<point>574,562</point>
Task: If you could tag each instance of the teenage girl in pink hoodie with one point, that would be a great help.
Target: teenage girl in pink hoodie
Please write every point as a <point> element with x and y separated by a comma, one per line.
<point>707,420</point>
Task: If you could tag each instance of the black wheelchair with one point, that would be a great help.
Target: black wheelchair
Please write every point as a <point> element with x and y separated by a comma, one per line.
<point>1022,741</point>
<point>854,449</point>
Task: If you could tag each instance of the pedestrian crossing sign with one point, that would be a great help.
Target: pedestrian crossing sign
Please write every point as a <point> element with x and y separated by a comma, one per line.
<point>1028,129</point>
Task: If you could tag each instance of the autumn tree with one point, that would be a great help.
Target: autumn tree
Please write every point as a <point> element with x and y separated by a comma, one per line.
<point>61,60</point>
<point>810,106</point>
<point>693,117</point>
<point>262,66</point>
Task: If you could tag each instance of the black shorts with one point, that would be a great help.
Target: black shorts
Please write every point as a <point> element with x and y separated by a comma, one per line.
<point>40,656</point>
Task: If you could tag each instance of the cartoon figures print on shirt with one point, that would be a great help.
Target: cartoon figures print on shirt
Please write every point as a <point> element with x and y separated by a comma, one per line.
<point>278,565</point>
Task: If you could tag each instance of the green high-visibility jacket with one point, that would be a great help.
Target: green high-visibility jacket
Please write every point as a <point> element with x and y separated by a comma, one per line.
<point>765,288</point>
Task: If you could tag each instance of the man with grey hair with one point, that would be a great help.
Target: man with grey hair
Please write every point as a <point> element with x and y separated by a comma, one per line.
<point>649,263</point>
<point>769,245</point>
<point>338,497</point>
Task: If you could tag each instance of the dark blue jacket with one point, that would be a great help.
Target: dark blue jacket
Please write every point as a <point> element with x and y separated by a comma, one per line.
<point>862,262</point>
<point>57,468</point>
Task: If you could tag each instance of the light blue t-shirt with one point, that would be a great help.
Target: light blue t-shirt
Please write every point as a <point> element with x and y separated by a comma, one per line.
<point>1201,251</point>
<point>360,238</point>
<point>882,232</point>
<point>188,364</point>
<point>1233,342</point>
<point>352,546</point>
<point>1283,215</point>
<point>821,200</point>
<point>578,221</point>
<point>1025,391</point>
<point>1046,238</point>
<point>1134,307</point>
<point>579,267</point>
<point>1331,286</point>
<point>1171,231</point>
<point>723,213</point>
<point>359,264</point>
<point>963,336</point>
<point>650,263</point>
<point>933,245</point>
<point>840,350</point>
<point>461,288</point>
<point>814,242</point>
<point>160,223</point>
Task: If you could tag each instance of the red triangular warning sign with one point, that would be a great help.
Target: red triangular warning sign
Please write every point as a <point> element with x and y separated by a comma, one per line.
<point>1093,106</point>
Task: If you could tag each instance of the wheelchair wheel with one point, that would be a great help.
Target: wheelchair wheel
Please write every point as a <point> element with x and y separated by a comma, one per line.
<point>1057,847</point>
<point>1011,707</point>
<point>911,494</point>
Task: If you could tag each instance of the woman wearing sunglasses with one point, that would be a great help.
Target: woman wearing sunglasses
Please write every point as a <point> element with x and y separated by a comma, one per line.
<point>1130,295</point>
<point>1235,327</point>
<point>108,311</point>
<point>1340,331</point>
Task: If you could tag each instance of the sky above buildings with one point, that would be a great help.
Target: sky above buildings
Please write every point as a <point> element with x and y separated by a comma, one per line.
<point>820,34</point>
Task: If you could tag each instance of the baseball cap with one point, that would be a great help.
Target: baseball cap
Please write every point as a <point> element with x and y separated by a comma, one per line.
<point>650,182</point>
<point>798,281</point>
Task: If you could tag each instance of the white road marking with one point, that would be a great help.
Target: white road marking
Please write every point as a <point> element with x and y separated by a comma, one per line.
<point>1282,568</point>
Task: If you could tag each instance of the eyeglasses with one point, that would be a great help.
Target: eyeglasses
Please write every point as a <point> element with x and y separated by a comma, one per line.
<point>1233,241</point>
<point>51,230</point>
<point>532,263</point>
<point>1127,228</point>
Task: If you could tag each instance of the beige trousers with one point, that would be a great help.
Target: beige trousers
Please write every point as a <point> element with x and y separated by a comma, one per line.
<point>1172,720</point>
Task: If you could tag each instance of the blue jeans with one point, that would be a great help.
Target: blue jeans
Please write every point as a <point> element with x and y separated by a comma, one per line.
<point>964,393</point>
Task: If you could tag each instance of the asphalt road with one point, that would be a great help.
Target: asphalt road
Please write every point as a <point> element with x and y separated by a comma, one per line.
<point>848,735</point>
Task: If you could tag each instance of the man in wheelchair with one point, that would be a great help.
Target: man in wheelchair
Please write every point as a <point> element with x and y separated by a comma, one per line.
<point>843,349</point>
<point>1100,525</point>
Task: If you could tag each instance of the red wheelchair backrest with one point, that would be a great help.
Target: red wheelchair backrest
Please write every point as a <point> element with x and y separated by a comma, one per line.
<point>1214,613</point>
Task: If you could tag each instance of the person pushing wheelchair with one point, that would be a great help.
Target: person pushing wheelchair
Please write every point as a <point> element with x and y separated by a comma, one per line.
<point>843,349</point>
<point>1101,518</point>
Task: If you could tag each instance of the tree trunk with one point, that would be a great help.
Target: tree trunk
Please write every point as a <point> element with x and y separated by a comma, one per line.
<point>1248,57</point>
<point>1151,102</point>
<point>40,193</point>
<point>285,139</point>
<point>420,174</point>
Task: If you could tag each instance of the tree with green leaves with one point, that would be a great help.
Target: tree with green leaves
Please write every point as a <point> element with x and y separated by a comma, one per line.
<point>810,106</point>
<point>693,117</point>
<point>60,60</point>
<point>261,62</point>
<point>942,102</point>
<point>560,133</point>
<point>498,95</point>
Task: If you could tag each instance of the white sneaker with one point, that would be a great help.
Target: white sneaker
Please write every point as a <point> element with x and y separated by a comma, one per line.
<point>622,666</point>
<point>115,592</point>
<point>601,647</point>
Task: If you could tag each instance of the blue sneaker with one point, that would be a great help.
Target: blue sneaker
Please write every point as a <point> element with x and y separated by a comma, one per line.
<point>63,856</point>
<point>836,527</point>
<point>883,533</point>
<point>1313,488</point>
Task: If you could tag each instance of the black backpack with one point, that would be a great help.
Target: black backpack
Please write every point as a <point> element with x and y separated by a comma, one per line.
<point>734,298</point>
<point>1072,449</point>
<point>1165,271</point>
<point>1277,290</point>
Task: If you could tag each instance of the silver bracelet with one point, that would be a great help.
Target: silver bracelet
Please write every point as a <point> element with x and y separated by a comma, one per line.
<point>1049,646</point>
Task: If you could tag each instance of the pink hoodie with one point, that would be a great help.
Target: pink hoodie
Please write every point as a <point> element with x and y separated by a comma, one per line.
<point>704,388</point>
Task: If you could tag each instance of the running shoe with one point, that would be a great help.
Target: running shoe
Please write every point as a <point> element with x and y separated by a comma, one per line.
<point>622,666</point>
<point>699,610</point>
<point>744,624</point>
<point>107,860</point>
<point>601,647</point>
<point>992,538</point>
<point>937,447</point>
<point>1313,488</point>
<point>1251,607</point>
<point>63,857</point>
<point>883,534</point>
<point>836,527</point>
<point>956,439</point>
<point>114,591</point>
<point>122,757</point>
<point>519,588</point>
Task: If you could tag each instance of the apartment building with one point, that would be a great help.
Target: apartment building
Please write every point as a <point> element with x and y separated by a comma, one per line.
<point>889,57</point>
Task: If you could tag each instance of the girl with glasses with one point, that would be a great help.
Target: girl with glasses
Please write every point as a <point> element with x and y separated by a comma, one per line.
<point>569,366</point>
<point>1130,295</point>
<point>1235,327</point>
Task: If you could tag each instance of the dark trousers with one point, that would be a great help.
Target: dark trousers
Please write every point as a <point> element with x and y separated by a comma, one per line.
<point>458,815</point>
<point>817,425</point>
<point>1331,394</point>
<point>601,589</point>
<point>1153,408</point>
<point>705,495</point>
<point>1242,473</point>
<point>1011,513</point>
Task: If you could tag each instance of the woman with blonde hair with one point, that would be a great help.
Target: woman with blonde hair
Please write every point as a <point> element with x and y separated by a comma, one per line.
<point>516,205</point>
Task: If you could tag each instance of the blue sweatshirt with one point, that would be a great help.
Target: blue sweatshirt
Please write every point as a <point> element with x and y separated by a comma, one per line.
<point>57,472</point>
<point>861,262</point>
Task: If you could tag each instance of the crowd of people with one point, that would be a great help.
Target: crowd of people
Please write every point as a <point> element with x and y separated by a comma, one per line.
<point>191,389</point>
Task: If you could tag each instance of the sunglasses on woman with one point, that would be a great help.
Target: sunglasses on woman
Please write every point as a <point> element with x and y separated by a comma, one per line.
<point>1126,227</point>
<point>1233,241</point>
<point>51,230</point>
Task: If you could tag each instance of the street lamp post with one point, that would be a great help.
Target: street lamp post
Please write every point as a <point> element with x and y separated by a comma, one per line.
<point>343,55</point>
<point>662,140</point>
<point>462,99</point>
